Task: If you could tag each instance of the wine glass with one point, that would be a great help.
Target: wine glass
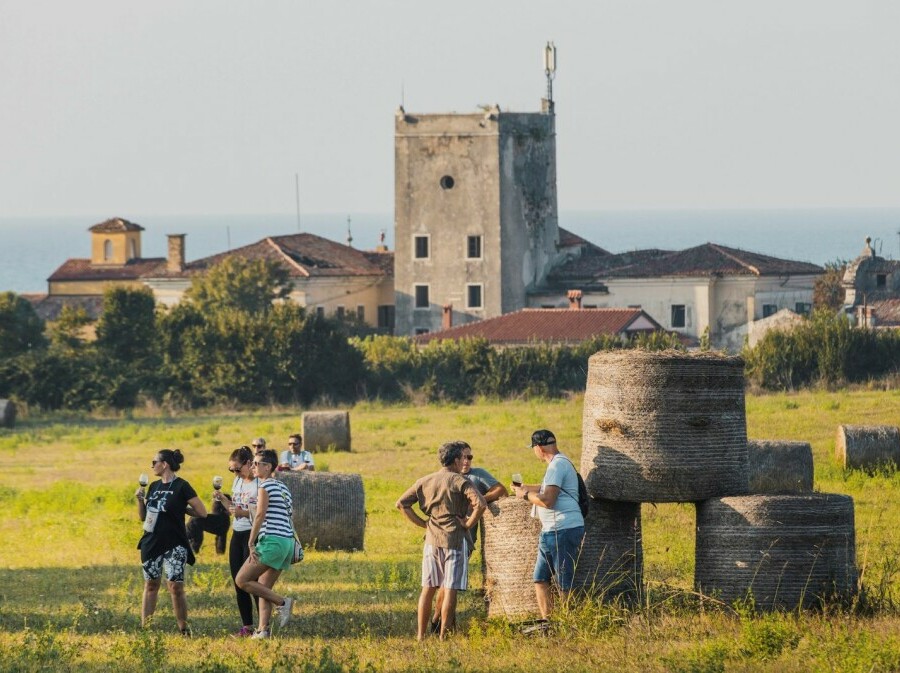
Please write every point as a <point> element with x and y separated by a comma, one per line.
<point>143,480</point>
<point>217,482</point>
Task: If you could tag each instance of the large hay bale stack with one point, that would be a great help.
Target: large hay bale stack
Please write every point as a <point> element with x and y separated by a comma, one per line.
<point>329,508</point>
<point>326,430</point>
<point>867,446</point>
<point>777,466</point>
<point>610,564</point>
<point>7,414</point>
<point>664,426</point>
<point>785,550</point>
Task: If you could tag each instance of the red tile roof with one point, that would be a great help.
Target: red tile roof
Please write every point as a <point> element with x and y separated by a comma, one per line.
<point>302,255</point>
<point>887,312</point>
<point>709,259</point>
<point>83,270</point>
<point>115,224</point>
<point>553,325</point>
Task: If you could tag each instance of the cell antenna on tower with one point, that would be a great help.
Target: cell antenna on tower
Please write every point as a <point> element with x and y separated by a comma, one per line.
<point>550,70</point>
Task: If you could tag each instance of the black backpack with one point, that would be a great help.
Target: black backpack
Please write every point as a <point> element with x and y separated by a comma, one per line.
<point>584,500</point>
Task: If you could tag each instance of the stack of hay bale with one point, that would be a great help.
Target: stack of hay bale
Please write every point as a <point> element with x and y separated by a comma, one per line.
<point>671,427</point>
<point>329,508</point>
<point>867,447</point>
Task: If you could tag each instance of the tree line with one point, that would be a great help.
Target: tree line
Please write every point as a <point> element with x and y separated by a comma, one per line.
<point>233,340</point>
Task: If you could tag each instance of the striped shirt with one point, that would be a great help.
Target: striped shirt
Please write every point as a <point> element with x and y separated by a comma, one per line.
<point>278,514</point>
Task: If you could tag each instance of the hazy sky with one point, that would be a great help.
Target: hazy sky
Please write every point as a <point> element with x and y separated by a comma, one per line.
<point>212,106</point>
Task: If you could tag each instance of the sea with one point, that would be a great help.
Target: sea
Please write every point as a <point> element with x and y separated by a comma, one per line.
<point>32,248</point>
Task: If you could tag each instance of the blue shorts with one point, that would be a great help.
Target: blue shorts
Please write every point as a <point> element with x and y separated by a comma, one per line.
<point>558,552</point>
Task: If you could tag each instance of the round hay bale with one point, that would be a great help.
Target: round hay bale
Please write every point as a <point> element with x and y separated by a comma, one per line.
<point>786,550</point>
<point>777,466</point>
<point>867,446</point>
<point>326,430</point>
<point>664,426</point>
<point>329,508</point>
<point>610,564</point>
<point>510,551</point>
<point>7,414</point>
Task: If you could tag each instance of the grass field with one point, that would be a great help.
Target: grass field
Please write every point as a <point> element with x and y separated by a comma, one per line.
<point>70,580</point>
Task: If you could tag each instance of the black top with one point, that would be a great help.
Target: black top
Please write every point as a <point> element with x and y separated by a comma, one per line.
<point>169,501</point>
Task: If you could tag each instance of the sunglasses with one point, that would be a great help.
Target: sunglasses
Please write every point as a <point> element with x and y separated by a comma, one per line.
<point>293,443</point>
<point>257,463</point>
<point>234,470</point>
<point>258,446</point>
<point>154,462</point>
<point>469,457</point>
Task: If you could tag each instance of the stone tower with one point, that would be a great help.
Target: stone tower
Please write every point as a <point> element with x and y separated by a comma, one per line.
<point>474,214</point>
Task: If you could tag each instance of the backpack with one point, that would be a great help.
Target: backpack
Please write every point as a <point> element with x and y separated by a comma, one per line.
<point>584,500</point>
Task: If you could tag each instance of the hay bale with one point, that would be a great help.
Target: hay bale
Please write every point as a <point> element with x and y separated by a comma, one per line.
<point>867,446</point>
<point>610,563</point>
<point>329,508</point>
<point>777,466</point>
<point>326,430</point>
<point>664,426</point>
<point>787,550</point>
<point>7,414</point>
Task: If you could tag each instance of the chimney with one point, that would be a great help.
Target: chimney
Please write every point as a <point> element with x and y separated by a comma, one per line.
<point>447,317</point>
<point>175,262</point>
<point>575,300</point>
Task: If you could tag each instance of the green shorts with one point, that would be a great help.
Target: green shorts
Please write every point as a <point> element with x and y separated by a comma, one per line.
<point>275,552</point>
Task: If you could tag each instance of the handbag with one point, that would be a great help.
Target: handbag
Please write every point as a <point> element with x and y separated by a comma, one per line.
<point>298,550</point>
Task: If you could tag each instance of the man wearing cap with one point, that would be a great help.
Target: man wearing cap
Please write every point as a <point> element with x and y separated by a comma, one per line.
<point>446,498</point>
<point>555,500</point>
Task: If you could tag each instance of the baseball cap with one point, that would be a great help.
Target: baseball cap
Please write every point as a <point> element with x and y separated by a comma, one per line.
<point>542,438</point>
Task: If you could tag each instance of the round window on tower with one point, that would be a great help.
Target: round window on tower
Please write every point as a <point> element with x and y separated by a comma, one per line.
<point>447,182</point>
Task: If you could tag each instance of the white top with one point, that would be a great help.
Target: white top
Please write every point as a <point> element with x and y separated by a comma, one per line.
<point>244,495</point>
<point>295,459</point>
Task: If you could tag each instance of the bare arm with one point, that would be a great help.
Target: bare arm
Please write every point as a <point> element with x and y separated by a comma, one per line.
<point>531,493</point>
<point>262,506</point>
<point>405,503</point>
<point>196,508</point>
<point>478,505</point>
<point>141,503</point>
<point>496,492</point>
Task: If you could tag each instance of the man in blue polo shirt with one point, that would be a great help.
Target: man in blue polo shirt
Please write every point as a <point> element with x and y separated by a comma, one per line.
<point>555,501</point>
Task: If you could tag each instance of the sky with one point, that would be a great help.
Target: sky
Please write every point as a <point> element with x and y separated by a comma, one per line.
<point>214,106</point>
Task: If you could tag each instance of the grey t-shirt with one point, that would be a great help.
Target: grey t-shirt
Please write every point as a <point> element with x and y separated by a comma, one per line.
<point>565,513</point>
<point>482,479</point>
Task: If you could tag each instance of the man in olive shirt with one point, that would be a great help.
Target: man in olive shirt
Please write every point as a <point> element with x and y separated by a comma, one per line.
<point>445,497</point>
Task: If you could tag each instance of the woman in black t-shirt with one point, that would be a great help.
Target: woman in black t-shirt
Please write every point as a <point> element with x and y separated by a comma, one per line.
<point>164,544</point>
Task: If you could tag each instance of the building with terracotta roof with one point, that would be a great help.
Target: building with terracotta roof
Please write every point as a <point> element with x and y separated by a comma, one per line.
<point>330,278</point>
<point>551,325</point>
<point>709,286</point>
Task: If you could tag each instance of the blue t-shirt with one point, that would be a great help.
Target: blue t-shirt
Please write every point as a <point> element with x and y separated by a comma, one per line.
<point>565,513</point>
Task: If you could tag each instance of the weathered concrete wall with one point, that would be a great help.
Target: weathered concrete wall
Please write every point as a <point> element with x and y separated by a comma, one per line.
<point>503,189</point>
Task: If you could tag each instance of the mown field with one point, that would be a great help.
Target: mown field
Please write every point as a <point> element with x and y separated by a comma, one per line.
<point>70,580</point>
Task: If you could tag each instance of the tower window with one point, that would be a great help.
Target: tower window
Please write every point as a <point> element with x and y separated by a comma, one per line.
<point>473,296</point>
<point>107,250</point>
<point>447,182</point>
<point>422,300</point>
<point>420,245</point>
<point>473,247</point>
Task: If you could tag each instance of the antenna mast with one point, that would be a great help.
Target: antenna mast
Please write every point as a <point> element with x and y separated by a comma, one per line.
<point>550,72</point>
<point>349,235</point>
<point>297,193</point>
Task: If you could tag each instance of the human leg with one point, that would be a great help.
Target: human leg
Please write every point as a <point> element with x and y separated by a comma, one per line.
<point>455,564</point>
<point>543,573</point>
<point>238,552</point>
<point>448,612</point>
<point>544,598</point>
<point>174,562</point>
<point>436,615</point>
<point>424,612</point>
<point>148,600</point>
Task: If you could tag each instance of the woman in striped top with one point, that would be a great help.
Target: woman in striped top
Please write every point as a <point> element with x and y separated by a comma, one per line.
<point>271,545</point>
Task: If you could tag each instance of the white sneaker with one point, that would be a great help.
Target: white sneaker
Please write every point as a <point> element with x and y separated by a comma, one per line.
<point>260,635</point>
<point>284,612</point>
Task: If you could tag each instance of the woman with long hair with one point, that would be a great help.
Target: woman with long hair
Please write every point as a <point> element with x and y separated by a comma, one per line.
<point>164,544</point>
<point>244,493</point>
<point>271,545</point>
